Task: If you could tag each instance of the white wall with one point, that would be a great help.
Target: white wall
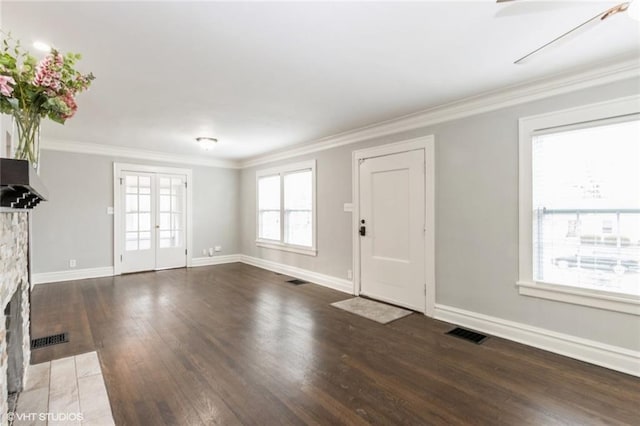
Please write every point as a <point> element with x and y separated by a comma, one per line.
<point>74,223</point>
<point>476,220</point>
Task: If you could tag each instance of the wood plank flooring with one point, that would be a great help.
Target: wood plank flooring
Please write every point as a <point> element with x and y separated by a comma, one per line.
<point>233,344</point>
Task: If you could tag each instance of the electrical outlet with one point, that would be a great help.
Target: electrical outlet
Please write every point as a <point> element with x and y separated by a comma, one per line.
<point>349,274</point>
<point>72,263</point>
<point>204,252</point>
<point>211,251</point>
<point>218,248</point>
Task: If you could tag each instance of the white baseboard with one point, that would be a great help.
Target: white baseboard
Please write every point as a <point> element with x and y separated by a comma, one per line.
<point>107,271</point>
<point>214,260</point>
<point>612,357</point>
<point>335,283</point>
<point>72,274</point>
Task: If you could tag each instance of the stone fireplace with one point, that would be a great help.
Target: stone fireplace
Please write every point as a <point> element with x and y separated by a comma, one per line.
<point>14,300</point>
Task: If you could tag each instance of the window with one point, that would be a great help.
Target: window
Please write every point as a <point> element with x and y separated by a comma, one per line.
<point>580,206</point>
<point>286,208</point>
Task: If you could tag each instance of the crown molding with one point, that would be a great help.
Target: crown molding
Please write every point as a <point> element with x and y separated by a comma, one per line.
<point>124,152</point>
<point>474,105</point>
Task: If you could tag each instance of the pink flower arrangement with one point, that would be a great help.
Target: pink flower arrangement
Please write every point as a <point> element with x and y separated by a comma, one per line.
<point>49,72</point>
<point>70,102</point>
<point>31,90</point>
<point>5,88</point>
<point>38,89</point>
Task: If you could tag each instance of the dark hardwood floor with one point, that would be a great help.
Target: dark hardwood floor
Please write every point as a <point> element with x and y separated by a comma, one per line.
<point>234,344</point>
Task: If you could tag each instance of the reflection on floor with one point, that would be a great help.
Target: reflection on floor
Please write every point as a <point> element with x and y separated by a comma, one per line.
<point>67,391</point>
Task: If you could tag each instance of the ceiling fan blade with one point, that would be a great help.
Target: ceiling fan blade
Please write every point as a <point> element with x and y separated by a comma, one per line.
<point>578,29</point>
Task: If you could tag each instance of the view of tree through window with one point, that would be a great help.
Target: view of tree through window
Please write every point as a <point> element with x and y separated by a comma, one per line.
<point>586,207</point>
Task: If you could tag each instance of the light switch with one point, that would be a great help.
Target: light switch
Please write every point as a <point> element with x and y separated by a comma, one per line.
<point>348,207</point>
<point>110,210</point>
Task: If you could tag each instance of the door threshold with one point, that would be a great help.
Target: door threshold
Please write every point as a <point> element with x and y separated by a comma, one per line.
<point>170,267</point>
<point>154,270</point>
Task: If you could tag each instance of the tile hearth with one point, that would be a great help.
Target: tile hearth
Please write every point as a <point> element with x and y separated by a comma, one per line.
<point>70,391</point>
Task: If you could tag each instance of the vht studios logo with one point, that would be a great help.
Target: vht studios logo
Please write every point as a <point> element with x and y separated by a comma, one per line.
<point>49,417</point>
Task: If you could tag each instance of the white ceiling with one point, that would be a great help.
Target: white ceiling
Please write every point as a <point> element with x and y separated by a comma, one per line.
<point>262,76</point>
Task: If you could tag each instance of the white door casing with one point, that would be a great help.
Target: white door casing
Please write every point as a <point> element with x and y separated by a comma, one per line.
<point>393,192</point>
<point>169,216</point>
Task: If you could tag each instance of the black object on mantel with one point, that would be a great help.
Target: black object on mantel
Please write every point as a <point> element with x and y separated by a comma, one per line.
<point>20,185</point>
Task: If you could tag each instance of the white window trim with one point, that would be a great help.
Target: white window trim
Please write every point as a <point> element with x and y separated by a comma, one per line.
<point>527,286</point>
<point>281,245</point>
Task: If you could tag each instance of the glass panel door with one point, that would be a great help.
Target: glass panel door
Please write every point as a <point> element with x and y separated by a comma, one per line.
<point>153,221</point>
<point>171,221</point>
<point>139,222</point>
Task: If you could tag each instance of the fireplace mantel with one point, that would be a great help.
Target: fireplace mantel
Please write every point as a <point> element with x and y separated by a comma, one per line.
<point>20,185</point>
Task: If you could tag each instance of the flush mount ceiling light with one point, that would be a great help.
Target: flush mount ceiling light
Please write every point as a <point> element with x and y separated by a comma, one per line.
<point>206,142</point>
<point>41,46</point>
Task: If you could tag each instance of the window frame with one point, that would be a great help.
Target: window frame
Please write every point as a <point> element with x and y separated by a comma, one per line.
<point>527,285</point>
<point>281,171</point>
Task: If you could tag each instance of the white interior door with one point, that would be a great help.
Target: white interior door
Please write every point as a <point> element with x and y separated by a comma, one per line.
<point>171,230</point>
<point>138,230</point>
<point>392,212</point>
<point>153,231</point>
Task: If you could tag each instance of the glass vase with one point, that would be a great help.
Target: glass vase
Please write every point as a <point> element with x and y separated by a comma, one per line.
<point>27,132</point>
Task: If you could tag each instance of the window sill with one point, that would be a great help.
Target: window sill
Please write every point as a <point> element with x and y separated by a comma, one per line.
<point>286,247</point>
<point>610,301</point>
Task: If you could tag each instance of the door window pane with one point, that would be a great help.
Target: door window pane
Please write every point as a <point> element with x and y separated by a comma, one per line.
<point>145,221</point>
<point>176,223</point>
<point>131,183</point>
<point>132,222</point>
<point>165,203</point>
<point>144,182</point>
<point>165,221</point>
<point>131,203</point>
<point>144,203</point>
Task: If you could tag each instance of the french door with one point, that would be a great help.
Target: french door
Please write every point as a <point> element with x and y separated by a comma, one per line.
<point>153,221</point>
